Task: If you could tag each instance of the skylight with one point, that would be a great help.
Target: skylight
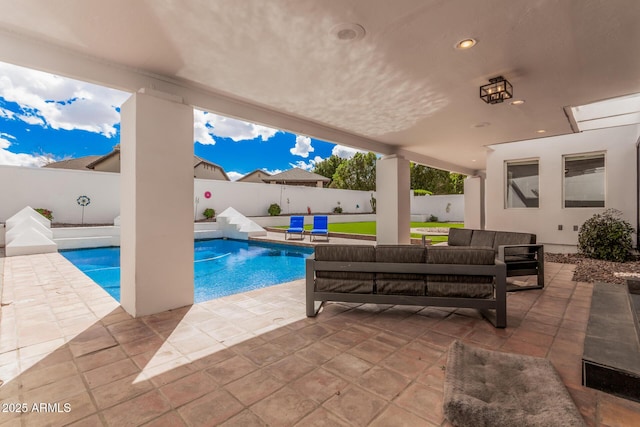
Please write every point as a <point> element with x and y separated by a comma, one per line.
<point>621,111</point>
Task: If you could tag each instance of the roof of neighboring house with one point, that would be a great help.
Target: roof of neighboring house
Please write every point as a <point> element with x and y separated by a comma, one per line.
<point>297,175</point>
<point>245,177</point>
<point>79,163</point>
<point>116,150</point>
<point>90,162</point>
<point>197,160</point>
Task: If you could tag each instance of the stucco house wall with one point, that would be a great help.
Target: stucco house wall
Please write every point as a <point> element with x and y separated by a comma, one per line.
<point>109,164</point>
<point>209,171</point>
<point>619,146</point>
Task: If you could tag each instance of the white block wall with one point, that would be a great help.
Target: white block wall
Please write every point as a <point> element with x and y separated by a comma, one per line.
<point>59,189</point>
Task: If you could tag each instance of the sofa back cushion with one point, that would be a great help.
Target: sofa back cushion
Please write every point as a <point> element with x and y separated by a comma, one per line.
<point>483,238</point>
<point>513,238</point>
<point>345,281</point>
<point>459,285</point>
<point>400,283</point>
<point>460,236</point>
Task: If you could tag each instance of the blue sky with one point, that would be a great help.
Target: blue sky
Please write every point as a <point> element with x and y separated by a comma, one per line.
<point>43,116</point>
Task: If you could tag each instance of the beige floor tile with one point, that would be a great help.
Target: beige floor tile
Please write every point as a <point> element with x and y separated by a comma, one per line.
<point>355,405</point>
<point>236,361</point>
<point>188,388</point>
<point>422,401</point>
<point>211,409</point>
<point>254,387</point>
<point>119,391</point>
<point>111,372</point>
<point>138,410</point>
<point>398,417</point>
<point>284,407</point>
<point>319,385</point>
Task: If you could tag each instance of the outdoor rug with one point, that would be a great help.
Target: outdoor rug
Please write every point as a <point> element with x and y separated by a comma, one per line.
<point>489,388</point>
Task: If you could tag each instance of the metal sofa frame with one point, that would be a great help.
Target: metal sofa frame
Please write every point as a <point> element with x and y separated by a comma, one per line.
<point>498,271</point>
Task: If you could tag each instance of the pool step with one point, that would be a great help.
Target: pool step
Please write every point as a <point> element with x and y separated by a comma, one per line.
<point>234,225</point>
<point>28,233</point>
<point>611,355</point>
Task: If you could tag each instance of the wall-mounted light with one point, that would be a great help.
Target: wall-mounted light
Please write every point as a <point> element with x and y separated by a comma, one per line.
<point>498,90</point>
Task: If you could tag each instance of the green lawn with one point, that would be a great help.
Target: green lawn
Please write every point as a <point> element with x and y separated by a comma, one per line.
<point>369,227</point>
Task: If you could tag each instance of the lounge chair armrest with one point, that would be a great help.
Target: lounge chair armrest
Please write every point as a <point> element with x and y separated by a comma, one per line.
<point>533,247</point>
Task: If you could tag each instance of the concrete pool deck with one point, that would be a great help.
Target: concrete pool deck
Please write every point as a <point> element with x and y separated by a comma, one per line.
<point>255,359</point>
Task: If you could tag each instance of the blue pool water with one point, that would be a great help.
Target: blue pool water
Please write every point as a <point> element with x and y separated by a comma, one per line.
<point>221,267</point>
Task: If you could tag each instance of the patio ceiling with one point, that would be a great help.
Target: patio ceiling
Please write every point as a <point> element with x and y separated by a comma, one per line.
<point>401,88</point>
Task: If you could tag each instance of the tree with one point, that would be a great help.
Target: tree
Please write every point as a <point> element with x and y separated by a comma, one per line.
<point>357,173</point>
<point>328,166</point>
<point>435,180</point>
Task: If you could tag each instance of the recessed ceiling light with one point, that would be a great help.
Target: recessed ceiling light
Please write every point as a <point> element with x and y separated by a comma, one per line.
<point>541,131</point>
<point>465,44</point>
<point>517,102</point>
<point>348,32</point>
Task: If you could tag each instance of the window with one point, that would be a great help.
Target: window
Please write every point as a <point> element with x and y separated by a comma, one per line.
<point>522,184</point>
<point>584,181</point>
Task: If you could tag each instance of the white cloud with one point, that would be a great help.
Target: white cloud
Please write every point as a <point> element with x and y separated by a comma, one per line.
<point>303,146</point>
<point>234,176</point>
<point>7,114</point>
<point>308,166</point>
<point>13,159</point>
<point>273,172</point>
<point>4,142</point>
<point>207,125</point>
<point>345,152</point>
<point>59,103</point>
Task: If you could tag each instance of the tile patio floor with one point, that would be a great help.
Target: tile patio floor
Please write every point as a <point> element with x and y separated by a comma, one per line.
<point>254,359</point>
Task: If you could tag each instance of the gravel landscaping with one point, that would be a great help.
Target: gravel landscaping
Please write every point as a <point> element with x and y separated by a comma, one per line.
<point>594,270</point>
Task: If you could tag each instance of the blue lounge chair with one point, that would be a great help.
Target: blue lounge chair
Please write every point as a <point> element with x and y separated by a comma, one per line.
<point>320,227</point>
<point>296,226</point>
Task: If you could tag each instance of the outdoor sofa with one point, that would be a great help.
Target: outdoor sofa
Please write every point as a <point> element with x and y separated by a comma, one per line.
<point>519,251</point>
<point>408,275</point>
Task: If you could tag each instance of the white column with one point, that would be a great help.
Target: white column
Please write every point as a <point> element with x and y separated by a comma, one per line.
<point>156,203</point>
<point>474,202</point>
<point>393,211</point>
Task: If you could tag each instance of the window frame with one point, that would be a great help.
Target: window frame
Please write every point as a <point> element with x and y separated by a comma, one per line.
<point>584,156</point>
<point>505,182</point>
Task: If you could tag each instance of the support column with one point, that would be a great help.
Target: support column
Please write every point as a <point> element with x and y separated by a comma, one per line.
<point>474,202</point>
<point>393,210</point>
<point>156,178</point>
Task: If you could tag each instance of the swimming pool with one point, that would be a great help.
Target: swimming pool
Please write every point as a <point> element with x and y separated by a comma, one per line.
<point>221,267</point>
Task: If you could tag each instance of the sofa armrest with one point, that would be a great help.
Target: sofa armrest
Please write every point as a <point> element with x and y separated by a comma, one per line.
<point>532,248</point>
<point>534,254</point>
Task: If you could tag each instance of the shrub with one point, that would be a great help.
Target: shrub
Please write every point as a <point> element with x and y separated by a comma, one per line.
<point>419,192</point>
<point>433,218</point>
<point>337,210</point>
<point>209,213</point>
<point>606,236</point>
<point>45,213</point>
<point>373,203</point>
<point>274,209</point>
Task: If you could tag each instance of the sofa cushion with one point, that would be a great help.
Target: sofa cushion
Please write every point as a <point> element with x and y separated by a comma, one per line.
<point>460,285</point>
<point>345,281</point>
<point>400,283</point>
<point>483,238</point>
<point>513,238</point>
<point>460,236</point>
<point>460,255</point>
